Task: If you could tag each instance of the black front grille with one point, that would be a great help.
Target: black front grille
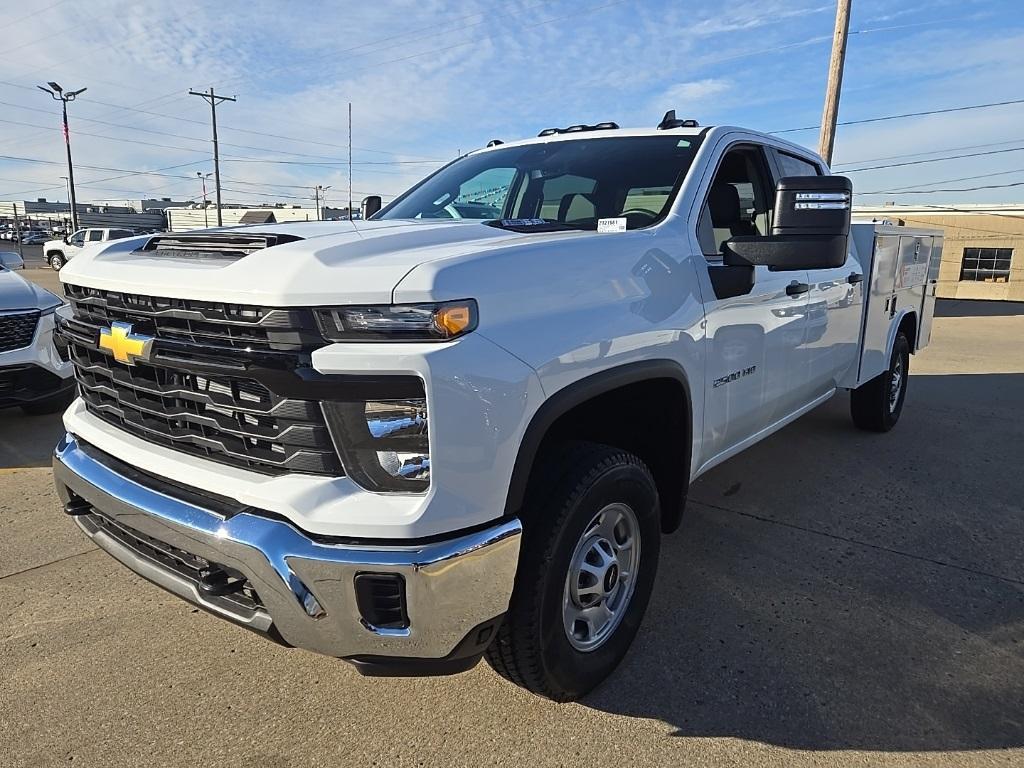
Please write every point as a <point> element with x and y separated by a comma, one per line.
<point>17,329</point>
<point>192,398</point>
<point>238,326</point>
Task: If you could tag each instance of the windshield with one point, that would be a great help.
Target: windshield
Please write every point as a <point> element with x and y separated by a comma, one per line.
<point>569,183</point>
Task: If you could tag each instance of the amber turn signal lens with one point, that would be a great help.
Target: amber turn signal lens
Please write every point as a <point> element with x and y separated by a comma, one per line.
<point>454,319</point>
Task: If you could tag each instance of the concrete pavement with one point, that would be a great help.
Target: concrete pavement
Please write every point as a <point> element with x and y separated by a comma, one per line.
<point>833,598</point>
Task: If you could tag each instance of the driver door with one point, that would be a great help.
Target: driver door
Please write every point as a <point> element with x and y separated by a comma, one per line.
<point>755,358</point>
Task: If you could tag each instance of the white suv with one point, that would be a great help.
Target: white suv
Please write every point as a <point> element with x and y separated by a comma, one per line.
<point>58,252</point>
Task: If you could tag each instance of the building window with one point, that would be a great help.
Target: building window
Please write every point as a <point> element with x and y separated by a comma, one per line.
<point>986,265</point>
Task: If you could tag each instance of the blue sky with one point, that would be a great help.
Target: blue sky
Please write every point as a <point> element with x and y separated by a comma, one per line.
<point>431,78</point>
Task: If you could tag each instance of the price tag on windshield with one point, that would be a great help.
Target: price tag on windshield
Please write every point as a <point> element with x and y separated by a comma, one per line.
<point>611,225</point>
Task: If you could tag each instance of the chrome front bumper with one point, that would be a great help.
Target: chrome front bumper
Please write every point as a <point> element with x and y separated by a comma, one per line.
<point>305,587</point>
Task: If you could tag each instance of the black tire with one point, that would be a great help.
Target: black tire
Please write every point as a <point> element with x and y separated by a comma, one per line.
<point>875,406</point>
<point>532,648</point>
<point>56,261</point>
<point>54,404</point>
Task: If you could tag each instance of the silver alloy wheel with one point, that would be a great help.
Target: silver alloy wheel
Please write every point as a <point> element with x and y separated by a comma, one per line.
<point>895,384</point>
<point>602,577</point>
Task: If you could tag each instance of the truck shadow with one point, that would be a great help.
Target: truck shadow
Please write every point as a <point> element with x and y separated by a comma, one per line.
<point>28,441</point>
<point>833,589</point>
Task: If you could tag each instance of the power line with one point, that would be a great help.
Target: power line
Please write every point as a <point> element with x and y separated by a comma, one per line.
<point>919,185</point>
<point>158,133</point>
<point>950,189</point>
<point>10,24</point>
<point>119,107</point>
<point>934,160</point>
<point>907,114</point>
<point>930,152</point>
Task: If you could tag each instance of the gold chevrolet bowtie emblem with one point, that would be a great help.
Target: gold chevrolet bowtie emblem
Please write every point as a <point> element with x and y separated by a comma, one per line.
<point>125,346</point>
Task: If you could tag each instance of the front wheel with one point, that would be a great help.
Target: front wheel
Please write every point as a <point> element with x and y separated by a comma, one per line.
<point>589,557</point>
<point>56,262</point>
<point>877,404</point>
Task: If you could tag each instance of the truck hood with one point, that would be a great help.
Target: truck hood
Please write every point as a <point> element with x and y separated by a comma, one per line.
<point>333,263</point>
<point>18,293</point>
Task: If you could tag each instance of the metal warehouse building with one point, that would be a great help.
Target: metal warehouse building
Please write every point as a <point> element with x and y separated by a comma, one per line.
<point>983,254</point>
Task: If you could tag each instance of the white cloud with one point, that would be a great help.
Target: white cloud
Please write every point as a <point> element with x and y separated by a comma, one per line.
<point>695,91</point>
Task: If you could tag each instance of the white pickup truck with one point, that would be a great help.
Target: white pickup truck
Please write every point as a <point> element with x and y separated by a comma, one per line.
<point>461,428</point>
<point>58,252</point>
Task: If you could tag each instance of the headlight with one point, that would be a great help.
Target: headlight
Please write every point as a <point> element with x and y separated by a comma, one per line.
<point>399,322</point>
<point>383,443</point>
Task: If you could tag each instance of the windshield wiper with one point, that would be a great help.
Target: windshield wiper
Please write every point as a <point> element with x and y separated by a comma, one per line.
<point>533,225</point>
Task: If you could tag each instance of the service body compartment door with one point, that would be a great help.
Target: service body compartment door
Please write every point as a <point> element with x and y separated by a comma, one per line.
<point>924,334</point>
<point>878,297</point>
<point>912,276</point>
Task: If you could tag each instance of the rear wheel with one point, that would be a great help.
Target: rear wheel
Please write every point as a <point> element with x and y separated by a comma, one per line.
<point>876,405</point>
<point>590,554</point>
<point>56,261</point>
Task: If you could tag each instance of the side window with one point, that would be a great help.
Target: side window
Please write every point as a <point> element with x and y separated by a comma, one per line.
<point>791,165</point>
<point>95,235</point>
<point>483,196</point>
<point>739,201</point>
<point>78,238</point>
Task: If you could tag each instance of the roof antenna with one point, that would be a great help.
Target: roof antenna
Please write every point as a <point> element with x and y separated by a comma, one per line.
<point>670,121</point>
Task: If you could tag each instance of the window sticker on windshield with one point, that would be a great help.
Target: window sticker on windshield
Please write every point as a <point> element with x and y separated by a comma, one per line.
<point>611,225</point>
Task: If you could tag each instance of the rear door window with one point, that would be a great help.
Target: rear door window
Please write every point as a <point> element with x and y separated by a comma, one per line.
<point>95,236</point>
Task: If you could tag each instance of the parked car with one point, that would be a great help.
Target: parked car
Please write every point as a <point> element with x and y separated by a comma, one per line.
<point>462,427</point>
<point>35,371</point>
<point>34,238</point>
<point>58,252</point>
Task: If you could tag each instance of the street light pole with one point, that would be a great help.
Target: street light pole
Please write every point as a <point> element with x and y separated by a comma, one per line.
<point>316,192</point>
<point>206,211</point>
<point>59,94</point>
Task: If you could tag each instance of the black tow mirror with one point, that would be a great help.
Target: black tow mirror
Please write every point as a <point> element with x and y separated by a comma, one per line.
<point>811,230</point>
<point>369,206</point>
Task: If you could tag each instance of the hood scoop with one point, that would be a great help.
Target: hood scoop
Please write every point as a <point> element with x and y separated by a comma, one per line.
<point>219,245</point>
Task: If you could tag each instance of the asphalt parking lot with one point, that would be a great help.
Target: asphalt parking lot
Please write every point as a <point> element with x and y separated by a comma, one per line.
<point>833,598</point>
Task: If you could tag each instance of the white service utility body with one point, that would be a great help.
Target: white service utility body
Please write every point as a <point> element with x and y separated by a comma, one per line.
<point>459,428</point>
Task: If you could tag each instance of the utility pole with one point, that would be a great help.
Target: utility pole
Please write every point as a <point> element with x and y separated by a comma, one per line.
<point>827,140</point>
<point>350,161</point>
<point>59,94</point>
<point>206,211</point>
<point>213,100</point>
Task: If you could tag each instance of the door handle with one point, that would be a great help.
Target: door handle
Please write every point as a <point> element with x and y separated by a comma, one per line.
<point>854,278</point>
<point>795,289</point>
